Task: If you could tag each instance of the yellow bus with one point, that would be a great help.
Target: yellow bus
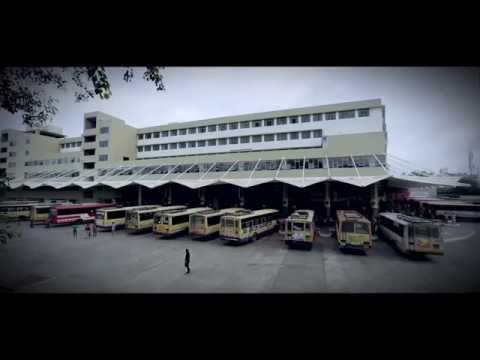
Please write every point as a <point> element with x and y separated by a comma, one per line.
<point>16,210</point>
<point>105,218</point>
<point>354,231</point>
<point>300,229</point>
<point>207,223</point>
<point>248,225</point>
<point>142,220</point>
<point>174,222</point>
<point>39,213</point>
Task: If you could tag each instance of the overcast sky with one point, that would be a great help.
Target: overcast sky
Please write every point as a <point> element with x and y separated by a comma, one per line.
<point>432,114</point>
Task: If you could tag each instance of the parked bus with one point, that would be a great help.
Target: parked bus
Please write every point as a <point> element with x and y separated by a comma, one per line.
<point>142,220</point>
<point>354,231</point>
<point>300,229</point>
<point>16,210</point>
<point>411,234</point>
<point>207,223</point>
<point>174,222</point>
<point>105,218</point>
<point>442,208</point>
<point>248,225</point>
<point>65,214</point>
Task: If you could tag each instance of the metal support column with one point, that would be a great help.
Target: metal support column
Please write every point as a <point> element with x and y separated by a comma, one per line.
<point>285,198</point>
<point>169,193</point>
<point>327,201</point>
<point>201,195</point>
<point>139,201</point>
<point>374,200</point>
<point>241,197</point>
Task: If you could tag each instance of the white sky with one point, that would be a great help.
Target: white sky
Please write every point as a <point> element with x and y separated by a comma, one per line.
<point>432,114</point>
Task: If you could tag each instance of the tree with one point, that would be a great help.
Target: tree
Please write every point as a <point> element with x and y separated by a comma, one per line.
<point>24,89</point>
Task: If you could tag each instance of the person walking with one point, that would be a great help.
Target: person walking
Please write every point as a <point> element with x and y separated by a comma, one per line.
<point>75,231</point>
<point>89,229</point>
<point>94,228</point>
<point>187,261</point>
<point>113,228</point>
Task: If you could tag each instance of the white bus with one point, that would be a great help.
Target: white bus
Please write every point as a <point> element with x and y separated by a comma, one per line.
<point>300,229</point>
<point>207,223</point>
<point>105,218</point>
<point>248,225</point>
<point>411,234</point>
<point>142,220</point>
<point>174,222</point>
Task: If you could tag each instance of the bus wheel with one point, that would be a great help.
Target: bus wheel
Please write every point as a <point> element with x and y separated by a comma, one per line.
<point>254,237</point>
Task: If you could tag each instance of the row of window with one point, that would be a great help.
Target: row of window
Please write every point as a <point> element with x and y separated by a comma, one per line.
<point>259,123</point>
<point>71,145</point>
<point>263,165</point>
<point>233,140</point>
<point>65,160</point>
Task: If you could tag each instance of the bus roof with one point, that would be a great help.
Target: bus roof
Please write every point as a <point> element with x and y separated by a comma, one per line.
<point>82,206</point>
<point>244,213</point>
<point>302,215</point>
<point>186,211</point>
<point>351,215</point>
<point>138,207</point>
<point>405,219</point>
<point>158,208</point>
<point>213,212</point>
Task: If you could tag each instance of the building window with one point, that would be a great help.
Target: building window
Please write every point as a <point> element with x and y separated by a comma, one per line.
<point>282,136</point>
<point>79,143</point>
<point>3,150</point>
<point>164,146</point>
<point>305,118</point>
<point>12,154</point>
<point>306,135</point>
<point>164,133</point>
<point>139,148</point>
<point>27,141</point>
<point>4,137</point>
<point>317,117</point>
<point>173,146</point>
<point>202,129</point>
<point>363,112</point>
<point>330,116</point>
<point>222,127</point>
<point>27,152</point>
<point>346,114</point>
<point>67,145</point>
<point>212,128</point>
<point>148,136</point>
<point>294,136</point>
<point>104,130</point>
<point>233,126</point>
<point>192,144</point>
<point>3,160</point>
<point>282,121</point>
<point>293,120</point>
<point>192,130</point>
<point>148,148</point>
<point>222,141</point>
<point>183,132</point>
<point>62,146</point>
<point>156,147</point>
<point>317,133</point>
<point>257,123</point>
<point>156,134</point>
<point>268,122</point>
<point>201,143</point>
<point>12,164</point>
<point>173,132</point>
<point>268,137</point>
<point>244,139</point>
<point>257,138</point>
<point>212,142</point>
<point>103,143</point>
<point>233,140</point>
<point>244,124</point>
<point>183,145</point>
<point>140,136</point>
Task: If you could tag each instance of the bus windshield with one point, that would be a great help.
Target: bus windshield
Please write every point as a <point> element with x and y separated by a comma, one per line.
<point>348,227</point>
<point>132,217</point>
<point>361,228</point>
<point>99,215</point>
<point>297,226</point>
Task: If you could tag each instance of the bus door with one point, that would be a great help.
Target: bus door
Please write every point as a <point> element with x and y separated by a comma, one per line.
<point>229,226</point>
<point>298,231</point>
<point>423,237</point>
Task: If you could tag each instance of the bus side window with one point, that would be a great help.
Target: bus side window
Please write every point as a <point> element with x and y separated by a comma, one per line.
<point>307,227</point>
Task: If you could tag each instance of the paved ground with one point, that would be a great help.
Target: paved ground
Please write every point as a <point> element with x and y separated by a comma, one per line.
<point>50,260</point>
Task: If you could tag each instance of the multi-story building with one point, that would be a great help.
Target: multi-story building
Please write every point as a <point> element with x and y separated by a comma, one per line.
<point>300,147</point>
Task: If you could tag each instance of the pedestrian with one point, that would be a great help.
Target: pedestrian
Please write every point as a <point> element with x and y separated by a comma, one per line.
<point>94,227</point>
<point>89,229</point>
<point>113,228</point>
<point>187,261</point>
<point>75,231</point>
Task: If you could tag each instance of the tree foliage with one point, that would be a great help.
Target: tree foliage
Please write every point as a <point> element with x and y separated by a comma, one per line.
<point>26,89</point>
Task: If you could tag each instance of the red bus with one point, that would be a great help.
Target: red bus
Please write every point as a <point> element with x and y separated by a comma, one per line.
<point>72,213</point>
